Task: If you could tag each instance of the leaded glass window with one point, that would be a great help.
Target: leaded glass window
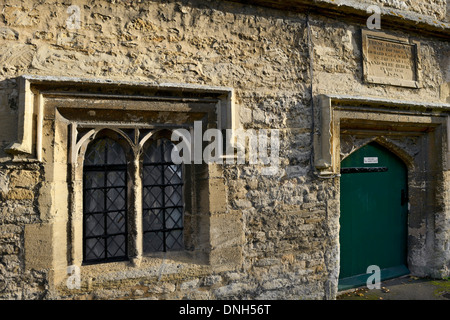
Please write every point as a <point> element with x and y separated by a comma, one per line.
<point>104,202</point>
<point>162,198</point>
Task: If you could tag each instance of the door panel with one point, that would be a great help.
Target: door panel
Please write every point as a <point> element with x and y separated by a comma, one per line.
<point>373,219</point>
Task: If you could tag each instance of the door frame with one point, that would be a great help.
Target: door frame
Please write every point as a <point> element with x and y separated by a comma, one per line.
<point>417,133</point>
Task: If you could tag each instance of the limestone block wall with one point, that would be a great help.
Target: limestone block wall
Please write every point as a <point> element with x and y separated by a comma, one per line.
<point>274,62</point>
<point>337,67</point>
<point>447,17</point>
<point>18,207</point>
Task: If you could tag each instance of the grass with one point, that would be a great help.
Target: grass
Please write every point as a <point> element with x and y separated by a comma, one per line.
<point>443,286</point>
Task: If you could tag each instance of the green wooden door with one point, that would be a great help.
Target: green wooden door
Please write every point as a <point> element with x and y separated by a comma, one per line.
<point>373,218</point>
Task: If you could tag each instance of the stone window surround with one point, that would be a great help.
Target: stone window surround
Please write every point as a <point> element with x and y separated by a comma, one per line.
<point>378,120</point>
<point>133,147</point>
<point>48,135</point>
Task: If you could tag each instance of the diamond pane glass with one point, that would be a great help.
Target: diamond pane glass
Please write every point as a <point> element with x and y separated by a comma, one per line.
<point>115,199</point>
<point>105,201</point>
<point>94,225</point>
<point>152,154</point>
<point>115,246</point>
<point>116,179</point>
<point>153,219</point>
<point>172,195</point>
<point>173,174</point>
<point>94,200</point>
<point>116,222</point>
<point>162,198</point>
<point>95,249</point>
<point>153,241</point>
<point>153,197</point>
<point>174,240</point>
<point>167,150</point>
<point>115,153</point>
<point>153,175</point>
<point>94,179</point>
<point>104,151</point>
<point>174,218</point>
<point>95,154</point>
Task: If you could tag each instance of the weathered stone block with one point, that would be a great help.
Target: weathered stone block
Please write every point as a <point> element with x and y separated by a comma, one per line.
<point>225,258</point>
<point>38,246</point>
<point>20,194</point>
<point>226,230</point>
<point>24,179</point>
<point>10,231</point>
<point>218,196</point>
<point>211,280</point>
<point>232,290</point>
<point>161,288</point>
<point>189,285</point>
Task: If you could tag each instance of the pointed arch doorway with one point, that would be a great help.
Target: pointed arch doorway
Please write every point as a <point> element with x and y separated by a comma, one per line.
<point>373,215</point>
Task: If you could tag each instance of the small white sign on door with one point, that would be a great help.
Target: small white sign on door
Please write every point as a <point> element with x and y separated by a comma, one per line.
<point>368,160</point>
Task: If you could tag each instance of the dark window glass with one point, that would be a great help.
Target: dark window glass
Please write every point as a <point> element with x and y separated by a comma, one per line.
<point>104,202</point>
<point>162,198</point>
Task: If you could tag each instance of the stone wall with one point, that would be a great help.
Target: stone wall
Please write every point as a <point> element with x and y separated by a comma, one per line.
<point>447,17</point>
<point>290,219</point>
<point>432,8</point>
<point>18,207</point>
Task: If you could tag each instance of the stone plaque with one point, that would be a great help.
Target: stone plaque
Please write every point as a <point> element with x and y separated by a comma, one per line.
<point>389,60</point>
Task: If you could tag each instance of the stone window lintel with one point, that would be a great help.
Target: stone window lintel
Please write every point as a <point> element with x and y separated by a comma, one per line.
<point>34,91</point>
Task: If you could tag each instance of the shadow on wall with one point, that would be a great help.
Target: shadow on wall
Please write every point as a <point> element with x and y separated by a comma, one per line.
<point>9,95</point>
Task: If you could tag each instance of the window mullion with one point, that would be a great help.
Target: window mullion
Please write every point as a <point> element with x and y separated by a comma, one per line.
<point>136,207</point>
